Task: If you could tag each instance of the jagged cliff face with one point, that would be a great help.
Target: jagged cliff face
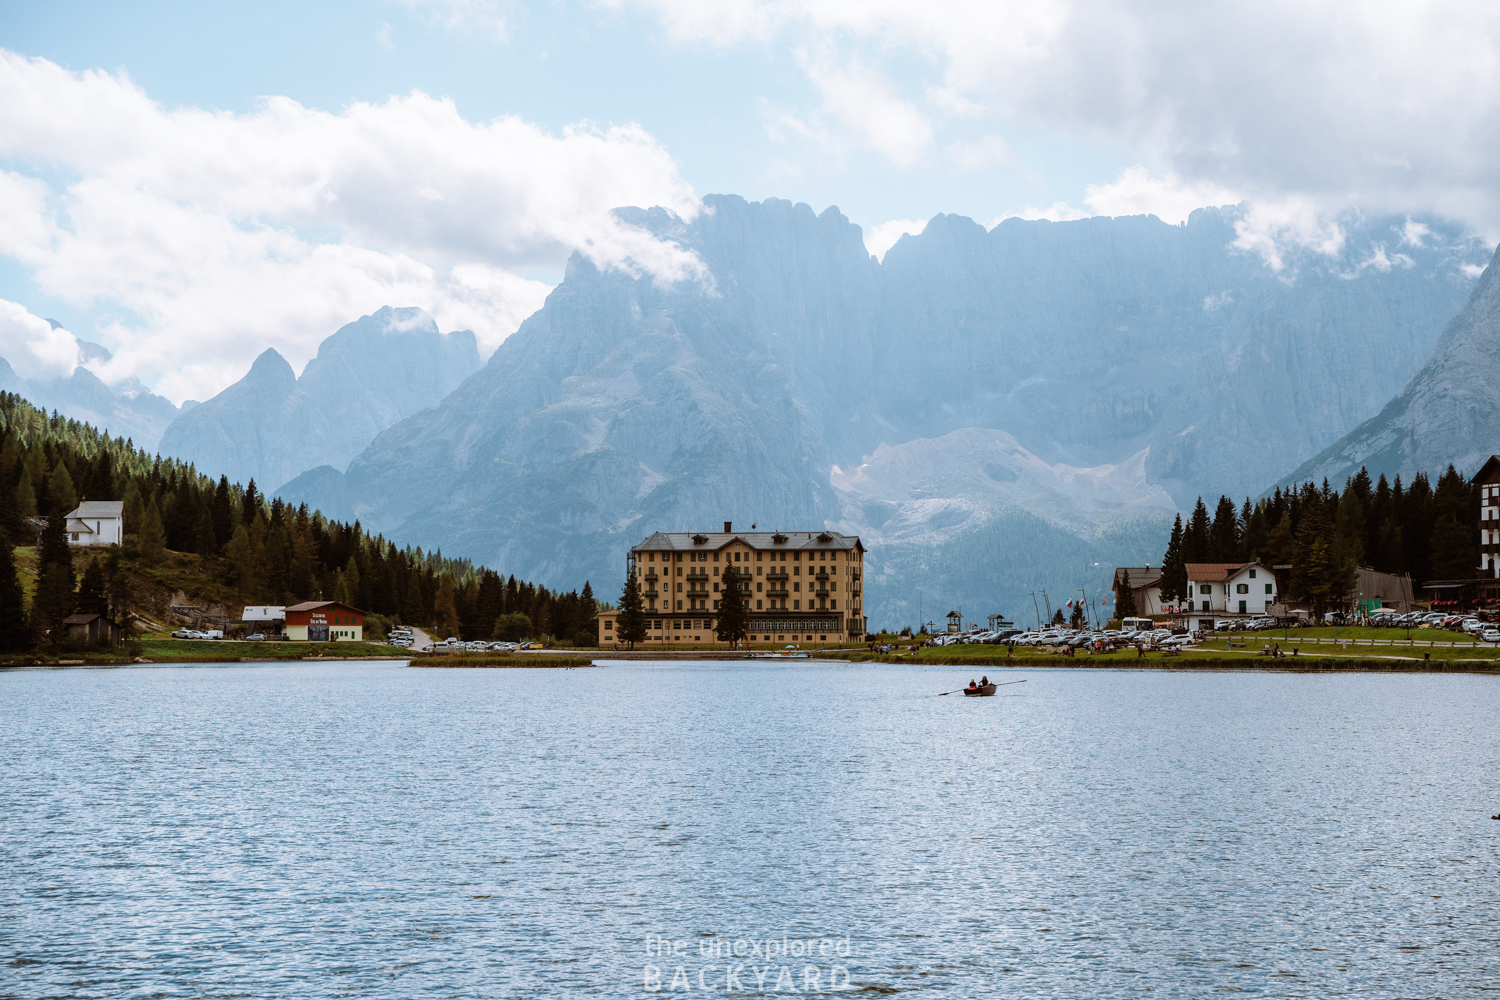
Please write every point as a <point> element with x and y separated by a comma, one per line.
<point>1128,363</point>
<point>271,425</point>
<point>1448,413</point>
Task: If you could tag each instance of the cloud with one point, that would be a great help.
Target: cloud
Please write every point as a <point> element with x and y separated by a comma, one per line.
<point>34,348</point>
<point>1169,198</point>
<point>210,236</point>
<point>1394,106</point>
<point>883,236</point>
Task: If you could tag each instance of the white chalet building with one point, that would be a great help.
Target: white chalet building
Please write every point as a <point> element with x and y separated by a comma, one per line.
<point>97,522</point>
<point>1229,589</point>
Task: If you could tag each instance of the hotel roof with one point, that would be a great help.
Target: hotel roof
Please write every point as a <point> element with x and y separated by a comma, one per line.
<point>680,541</point>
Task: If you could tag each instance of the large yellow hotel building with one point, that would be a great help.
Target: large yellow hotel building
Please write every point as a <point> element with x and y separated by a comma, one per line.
<point>799,586</point>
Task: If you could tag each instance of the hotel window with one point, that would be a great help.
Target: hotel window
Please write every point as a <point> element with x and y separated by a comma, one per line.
<point>757,605</point>
<point>796,605</point>
<point>1268,588</point>
<point>1205,589</point>
<point>1242,588</point>
<point>833,605</point>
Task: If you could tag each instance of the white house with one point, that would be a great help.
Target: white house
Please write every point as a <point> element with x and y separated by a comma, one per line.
<point>1230,588</point>
<point>97,522</point>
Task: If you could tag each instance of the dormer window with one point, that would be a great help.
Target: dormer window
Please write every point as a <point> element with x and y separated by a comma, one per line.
<point>700,539</point>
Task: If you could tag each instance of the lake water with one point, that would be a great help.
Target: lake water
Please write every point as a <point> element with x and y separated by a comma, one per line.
<point>372,830</point>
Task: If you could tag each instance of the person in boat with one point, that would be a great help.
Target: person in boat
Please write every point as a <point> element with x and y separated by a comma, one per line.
<point>972,685</point>
<point>984,682</point>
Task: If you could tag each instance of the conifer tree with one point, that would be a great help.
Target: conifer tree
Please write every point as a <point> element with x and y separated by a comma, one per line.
<point>733,622</point>
<point>1195,536</point>
<point>92,599</point>
<point>444,611</point>
<point>61,489</point>
<point>118,587</point>
<point>207,542</point>
<point>630,626</point>
<point>134,510</point>
<point>152,541</point>
<point>1057,617</point>
<point>1224,533</point>
<point>25,495</point>
<point>1125,598</point>
<point>15,631</point>
<point>1173,567</point>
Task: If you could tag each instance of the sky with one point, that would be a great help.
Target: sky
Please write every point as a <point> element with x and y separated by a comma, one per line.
<point>189,184</point>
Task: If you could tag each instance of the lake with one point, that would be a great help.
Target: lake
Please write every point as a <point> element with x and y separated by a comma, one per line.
<point>373,830</point>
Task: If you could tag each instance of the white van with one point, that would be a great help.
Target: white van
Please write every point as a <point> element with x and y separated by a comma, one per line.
<point>1137,624</point>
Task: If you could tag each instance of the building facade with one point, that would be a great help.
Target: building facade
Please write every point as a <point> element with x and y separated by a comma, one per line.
<point>97,522</point>
<point>1229,590</point>
<point>802,586</point>
<point>324,621</point>
<point>1145,586</point>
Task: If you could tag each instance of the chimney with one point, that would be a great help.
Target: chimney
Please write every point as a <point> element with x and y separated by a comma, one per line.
<point>728,527</point>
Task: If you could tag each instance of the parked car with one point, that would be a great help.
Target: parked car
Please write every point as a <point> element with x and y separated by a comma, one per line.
<point>257,637</point>
<point>1490,635</point>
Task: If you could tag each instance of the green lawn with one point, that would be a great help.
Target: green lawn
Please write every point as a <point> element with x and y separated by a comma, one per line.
<point>162,648</point>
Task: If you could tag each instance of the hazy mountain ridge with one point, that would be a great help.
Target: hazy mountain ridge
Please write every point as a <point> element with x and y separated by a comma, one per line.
<point>272,425</point>
<point>1448,413</point>
<point>128,410</point>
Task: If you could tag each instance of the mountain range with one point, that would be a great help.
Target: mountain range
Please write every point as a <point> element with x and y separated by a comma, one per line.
<point>273,425</point>
<point>1448,413</point>
<point>997,412</point>
<point>128,410</point>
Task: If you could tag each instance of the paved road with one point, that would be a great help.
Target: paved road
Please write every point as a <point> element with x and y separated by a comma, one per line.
<point>419,640</point>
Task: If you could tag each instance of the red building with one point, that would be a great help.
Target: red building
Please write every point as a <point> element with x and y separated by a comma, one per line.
<point>324,621</point>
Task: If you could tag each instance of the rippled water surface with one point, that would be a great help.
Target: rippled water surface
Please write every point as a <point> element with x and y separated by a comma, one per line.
<point>376,830</point>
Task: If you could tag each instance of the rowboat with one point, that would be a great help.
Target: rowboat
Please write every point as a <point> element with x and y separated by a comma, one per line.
<point>983,692</point>
<point>779,656</point>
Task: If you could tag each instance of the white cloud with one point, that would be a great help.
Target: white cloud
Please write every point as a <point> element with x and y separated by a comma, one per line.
<point>883,236</point>
<point>33,347</point>
<point>1058,211</point>
<point>1169,198</point>
<point>1272,228</point>
<point>220,234</point>
<point>1390,105</point>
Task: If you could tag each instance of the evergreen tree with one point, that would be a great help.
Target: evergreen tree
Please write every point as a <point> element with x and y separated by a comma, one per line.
<point>61,489</point>
<point>208,545</point>
<point>1224,534</point>
<point>224,513</point>
<point>53,603</point>
<point>26,496</point>
<point>134,509</point>
<point>92,599</point>
<point>1195,547</point>
<point>1173,567</point>
<point>152,542</point>
<point>445,613</point>
<point>733,622</point>
<point>250,503</point>
<point>1057,617</point>
<point>588,623</point>
<point>1076,619</point>
<point>630,626</point>
<point>241,558</point>
<point>1125,598</point>
<point>15,631</point>
<point>118,587</point>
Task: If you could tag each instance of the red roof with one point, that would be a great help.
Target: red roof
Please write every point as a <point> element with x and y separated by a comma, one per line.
<point>315,605</point>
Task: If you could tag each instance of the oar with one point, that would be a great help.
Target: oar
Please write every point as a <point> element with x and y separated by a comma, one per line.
<point>1005,684</point>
